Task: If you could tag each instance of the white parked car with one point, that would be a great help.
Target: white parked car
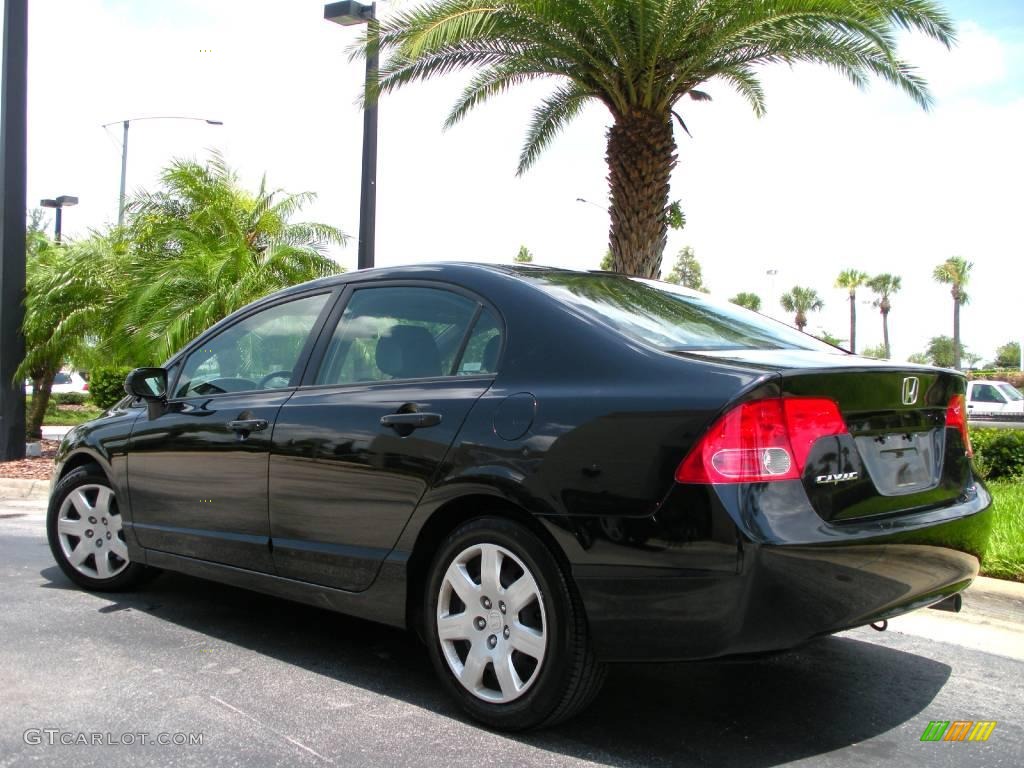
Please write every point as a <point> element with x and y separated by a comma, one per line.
<point>64,382</point>
<point>993,397</point>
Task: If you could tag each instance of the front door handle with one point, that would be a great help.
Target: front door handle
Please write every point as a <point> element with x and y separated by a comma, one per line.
<point>405,423</point>
<point>245,426</point>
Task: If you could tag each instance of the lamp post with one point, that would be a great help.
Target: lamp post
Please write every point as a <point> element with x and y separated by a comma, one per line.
<point>124,150</point>
<point>350,13</point>
<point>64,201</point>
<point>12,227</point>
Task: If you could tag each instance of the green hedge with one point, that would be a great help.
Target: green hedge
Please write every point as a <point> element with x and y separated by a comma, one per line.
<point>106,385</point>
<point>69,398</point>
<point>998,453</point>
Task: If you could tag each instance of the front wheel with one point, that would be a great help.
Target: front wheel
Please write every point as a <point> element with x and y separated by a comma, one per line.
<point>83,526</point>
<point>506,630</point>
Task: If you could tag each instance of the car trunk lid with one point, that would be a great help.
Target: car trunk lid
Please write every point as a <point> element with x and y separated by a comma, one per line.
<point>899,454</point>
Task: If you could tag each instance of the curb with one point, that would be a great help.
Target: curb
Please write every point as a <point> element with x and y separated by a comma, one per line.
<point>11,488</point>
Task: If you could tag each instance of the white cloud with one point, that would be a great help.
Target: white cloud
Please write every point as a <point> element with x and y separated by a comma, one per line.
<point>831,178</point>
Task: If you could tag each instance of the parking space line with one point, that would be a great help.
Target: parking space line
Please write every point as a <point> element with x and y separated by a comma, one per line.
<point>284,736</point>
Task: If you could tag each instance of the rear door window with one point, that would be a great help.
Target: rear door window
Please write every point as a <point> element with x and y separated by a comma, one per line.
<point>400,332</point>
<point>483,347</point>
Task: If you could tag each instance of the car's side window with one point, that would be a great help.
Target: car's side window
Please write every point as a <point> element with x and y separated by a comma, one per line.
<point>483,347</point>
<point>257,353</point>
<point>986,393</point>
<point>400,332</point>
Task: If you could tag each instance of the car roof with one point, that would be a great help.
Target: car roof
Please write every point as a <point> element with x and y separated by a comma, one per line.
<point>437,269</point>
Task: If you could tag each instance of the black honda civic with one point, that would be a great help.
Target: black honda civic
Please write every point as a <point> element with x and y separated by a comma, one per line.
<point>540,471</point>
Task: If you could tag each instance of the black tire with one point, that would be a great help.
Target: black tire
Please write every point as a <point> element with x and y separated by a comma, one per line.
<point>566,679</point>
<point>123,577</point>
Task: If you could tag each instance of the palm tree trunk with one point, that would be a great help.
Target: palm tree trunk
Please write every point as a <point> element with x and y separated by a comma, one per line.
<point>885,333</point>
<point>801,321</point>
<point>41,385</point>
<point>956,329</point>
<point>641,156</point>
<point>853,322</point>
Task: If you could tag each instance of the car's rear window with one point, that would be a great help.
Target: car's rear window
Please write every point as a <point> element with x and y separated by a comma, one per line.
<point>668,317</point>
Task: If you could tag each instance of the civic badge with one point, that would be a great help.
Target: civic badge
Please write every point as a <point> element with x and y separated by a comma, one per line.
<point>911,384</point>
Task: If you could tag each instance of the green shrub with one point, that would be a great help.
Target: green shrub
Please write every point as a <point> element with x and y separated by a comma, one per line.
<point>69,398</point>
<point>106,385</point>
<point>998,452</point>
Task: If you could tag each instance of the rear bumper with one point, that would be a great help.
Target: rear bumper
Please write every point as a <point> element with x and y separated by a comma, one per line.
<point>781,595</point>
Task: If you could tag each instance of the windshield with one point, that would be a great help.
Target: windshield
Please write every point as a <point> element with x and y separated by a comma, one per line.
<point>668,317</point>
<point>1012,393</point>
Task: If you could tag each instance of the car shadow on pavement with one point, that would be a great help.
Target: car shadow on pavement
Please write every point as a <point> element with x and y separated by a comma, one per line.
<point>833,693</point>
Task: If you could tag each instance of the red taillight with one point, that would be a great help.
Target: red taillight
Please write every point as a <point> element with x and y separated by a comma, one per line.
<point>956,418</point>
<point>761,440</point>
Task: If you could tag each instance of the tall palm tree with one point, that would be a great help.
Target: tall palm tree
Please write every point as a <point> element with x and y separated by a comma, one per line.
<point>801,301</point>
<point>851,280</point>
<point>955,272</point>
<point>202,246</point>
<point>749,300</point>
<point>884,286</point>
<point>639,58</point>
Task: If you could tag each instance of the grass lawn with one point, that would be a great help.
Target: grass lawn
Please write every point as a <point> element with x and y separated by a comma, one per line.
<point>1005,557</point>
<point>67,415</point>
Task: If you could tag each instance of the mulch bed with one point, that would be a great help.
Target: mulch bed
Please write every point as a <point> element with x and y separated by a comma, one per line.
<point>32,469</point>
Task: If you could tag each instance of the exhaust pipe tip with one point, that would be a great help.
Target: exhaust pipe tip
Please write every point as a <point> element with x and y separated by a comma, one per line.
<point>953,604</point>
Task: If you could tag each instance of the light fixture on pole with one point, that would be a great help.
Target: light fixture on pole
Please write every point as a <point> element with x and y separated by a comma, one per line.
<point>124,150</point>
<point>351,13</point>
<point>60,203</point>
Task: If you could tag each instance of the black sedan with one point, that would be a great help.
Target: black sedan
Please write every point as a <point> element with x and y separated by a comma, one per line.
<point>540,471</point>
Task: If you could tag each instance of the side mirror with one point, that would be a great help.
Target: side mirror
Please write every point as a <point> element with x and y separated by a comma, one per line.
<point>147,383</point>
<point>150,385</point>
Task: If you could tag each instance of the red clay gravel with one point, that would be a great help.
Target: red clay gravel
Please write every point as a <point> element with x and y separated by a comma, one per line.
<point>32,469</point>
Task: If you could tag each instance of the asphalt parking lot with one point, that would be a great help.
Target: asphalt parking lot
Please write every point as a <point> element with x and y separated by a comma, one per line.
<point>266,682</point>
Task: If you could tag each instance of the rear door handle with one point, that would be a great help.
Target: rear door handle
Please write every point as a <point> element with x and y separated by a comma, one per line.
<point>405,423</point>
<point>248,425</point>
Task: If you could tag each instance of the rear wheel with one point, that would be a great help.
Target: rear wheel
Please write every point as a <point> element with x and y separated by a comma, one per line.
<point>83,525</point>
<point>505,628</point>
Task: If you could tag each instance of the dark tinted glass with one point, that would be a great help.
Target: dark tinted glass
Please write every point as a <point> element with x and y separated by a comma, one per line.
<point>483,347</point>
<point>669,317</point>
<point>397,333</point>
<point>259,352</point>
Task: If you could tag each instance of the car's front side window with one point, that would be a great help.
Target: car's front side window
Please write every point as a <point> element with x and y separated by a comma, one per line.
<point>400,332</point>
<point>257,353</point>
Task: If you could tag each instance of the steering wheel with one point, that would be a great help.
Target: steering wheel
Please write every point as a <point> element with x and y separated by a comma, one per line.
<point>286,375</point>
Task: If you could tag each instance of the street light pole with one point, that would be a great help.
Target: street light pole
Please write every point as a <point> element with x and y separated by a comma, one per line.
<point>124,151</point>
<point>59,204</point>
<point>124,175</point>
<point>347,14</point>
<point>12,227</point>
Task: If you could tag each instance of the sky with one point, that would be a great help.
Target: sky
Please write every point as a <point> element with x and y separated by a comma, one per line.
<point>832,178</point>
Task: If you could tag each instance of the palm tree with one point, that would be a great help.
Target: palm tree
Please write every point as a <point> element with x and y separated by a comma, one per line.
<point>51,302</point>
<point>749,300</point>
<point>801,301</point>
<point>851,280</point>
<point>884,286</point>
<point>202,247</point>
<point>639,58</point>
<point>955,272</point>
